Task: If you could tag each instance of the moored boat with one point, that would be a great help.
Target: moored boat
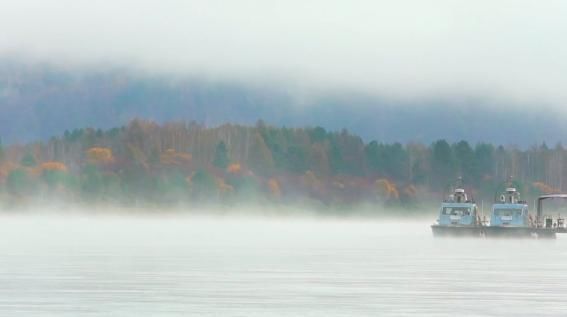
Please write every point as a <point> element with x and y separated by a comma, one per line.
<point>458,217</point>
<point>510,218</point>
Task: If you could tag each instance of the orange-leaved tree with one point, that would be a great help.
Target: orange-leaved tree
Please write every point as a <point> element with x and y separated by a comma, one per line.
<point>275,188</point>
<point>234,168</point>
<point>53,172</point>
<point>100,155</point>
<point>387,190</point>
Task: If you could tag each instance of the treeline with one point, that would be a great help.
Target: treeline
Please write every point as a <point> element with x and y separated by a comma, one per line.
<point>173,163</point>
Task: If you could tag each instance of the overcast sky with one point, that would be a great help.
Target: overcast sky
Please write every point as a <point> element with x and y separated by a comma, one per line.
<point>513,50</point>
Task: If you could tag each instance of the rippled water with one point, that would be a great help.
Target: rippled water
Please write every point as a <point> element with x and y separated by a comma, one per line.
<point>80,266</point>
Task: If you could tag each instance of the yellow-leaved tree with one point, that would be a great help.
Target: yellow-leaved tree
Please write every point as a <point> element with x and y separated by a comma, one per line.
<point>172,157</point>
<point>387,190</point>
<point>53,173</point>
<point>53,166</point>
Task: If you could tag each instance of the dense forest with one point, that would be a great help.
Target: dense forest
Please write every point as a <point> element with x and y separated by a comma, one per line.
<point>145,163</point>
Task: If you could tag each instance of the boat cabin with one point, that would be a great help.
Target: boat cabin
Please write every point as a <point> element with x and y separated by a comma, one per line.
<point>458,210</point>
<point>509,210</point>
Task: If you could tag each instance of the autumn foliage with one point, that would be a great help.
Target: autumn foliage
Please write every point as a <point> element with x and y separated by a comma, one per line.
<point>387,190</point>
<point>172,157</point>
<point>274,186</point>
<point>545,188</point>
<point>99,155</point>
<point>53,166</point>
<point>147,162</point>
<point>234,168</point>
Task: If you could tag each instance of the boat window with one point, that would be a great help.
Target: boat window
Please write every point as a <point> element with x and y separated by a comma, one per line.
<point>508,212</point>
<point>456,211</point>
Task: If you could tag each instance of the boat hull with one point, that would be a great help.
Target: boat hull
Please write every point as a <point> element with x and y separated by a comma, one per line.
<point>456,231</point>
<point>519,232</point>
<point>495,232</point>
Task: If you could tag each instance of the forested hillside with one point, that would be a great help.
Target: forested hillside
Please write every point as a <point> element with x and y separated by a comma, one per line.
<point>176,162</point>
<point>38,101</point>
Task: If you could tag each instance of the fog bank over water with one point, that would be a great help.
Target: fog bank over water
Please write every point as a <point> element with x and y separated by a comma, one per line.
<point>509,50</point>
<point>244,211</point>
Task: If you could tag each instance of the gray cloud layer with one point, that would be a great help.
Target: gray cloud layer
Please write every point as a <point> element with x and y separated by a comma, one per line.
<point>503,49</point>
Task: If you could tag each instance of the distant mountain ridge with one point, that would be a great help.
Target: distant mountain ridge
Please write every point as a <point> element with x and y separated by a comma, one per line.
<point>39,101</point>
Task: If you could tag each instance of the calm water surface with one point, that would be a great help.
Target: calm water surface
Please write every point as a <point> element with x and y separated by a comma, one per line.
<point>104,266</point>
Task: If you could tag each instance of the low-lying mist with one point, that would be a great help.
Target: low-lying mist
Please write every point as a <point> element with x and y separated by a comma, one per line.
<point>266,211</point>
<point>262,261</point>
<point>63,232</point>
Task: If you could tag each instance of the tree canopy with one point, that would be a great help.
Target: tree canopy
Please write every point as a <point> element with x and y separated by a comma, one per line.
<point>177,161</point>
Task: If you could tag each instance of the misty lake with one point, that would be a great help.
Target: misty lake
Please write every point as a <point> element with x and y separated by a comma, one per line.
<point>180,266</point>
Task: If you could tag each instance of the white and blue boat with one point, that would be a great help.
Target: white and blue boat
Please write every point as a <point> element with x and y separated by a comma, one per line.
<point>510,218</point>
<point>458,216</point>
